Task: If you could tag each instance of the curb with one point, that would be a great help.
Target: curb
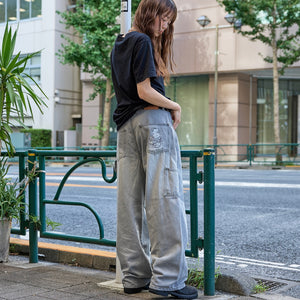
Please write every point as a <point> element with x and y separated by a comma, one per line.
<point>235,283</point>
<point>83,257</point>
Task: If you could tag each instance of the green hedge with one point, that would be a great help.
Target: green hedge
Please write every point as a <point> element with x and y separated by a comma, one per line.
<point>39,137</point>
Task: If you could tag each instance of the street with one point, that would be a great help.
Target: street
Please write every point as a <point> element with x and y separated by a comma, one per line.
<point>257,222</point>
<point>257,216</point>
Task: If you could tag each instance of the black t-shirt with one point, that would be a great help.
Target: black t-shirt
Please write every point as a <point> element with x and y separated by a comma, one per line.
<point>132,61</point>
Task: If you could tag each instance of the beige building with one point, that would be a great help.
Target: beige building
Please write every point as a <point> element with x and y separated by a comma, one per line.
<point>244,94</point>
<point>244,86</point>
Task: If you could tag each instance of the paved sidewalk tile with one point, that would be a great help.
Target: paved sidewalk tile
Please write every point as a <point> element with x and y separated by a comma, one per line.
<point>42,281</point>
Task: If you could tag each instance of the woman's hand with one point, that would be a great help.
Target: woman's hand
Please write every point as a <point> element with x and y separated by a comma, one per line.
<point>176,117</point>
<point>150,95</point>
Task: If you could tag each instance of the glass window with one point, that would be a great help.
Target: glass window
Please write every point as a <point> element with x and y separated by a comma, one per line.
<point>191,92</point>
<point>35,73</point>
<point>36,9</point>
<point>36,60</point>
<point>2,11</point>
<point>24,9</point>
<point>33,68</point>
<point>265,115</point>
<point>12,10</point>
<point>27,9</point>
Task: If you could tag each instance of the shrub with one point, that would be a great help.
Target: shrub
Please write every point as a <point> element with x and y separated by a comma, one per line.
<point>39,137</point>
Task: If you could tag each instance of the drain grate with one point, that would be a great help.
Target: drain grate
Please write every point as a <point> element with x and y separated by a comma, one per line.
<point>270,285</point>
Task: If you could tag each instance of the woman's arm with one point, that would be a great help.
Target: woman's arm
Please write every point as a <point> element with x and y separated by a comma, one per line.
<point>150,95</point>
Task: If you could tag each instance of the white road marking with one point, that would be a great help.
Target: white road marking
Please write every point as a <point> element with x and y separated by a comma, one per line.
<point>71,178</point>
<point>252,260</point>
<point>244,262</point>
<point>185,182</point>
<point>258,184</point>
<point>76,178</point>
<point>226,262</point>
<point>252,184</point>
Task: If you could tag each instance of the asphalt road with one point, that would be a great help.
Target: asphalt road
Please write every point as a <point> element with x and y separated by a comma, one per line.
<point>257,216</point>
<point>258,222</point>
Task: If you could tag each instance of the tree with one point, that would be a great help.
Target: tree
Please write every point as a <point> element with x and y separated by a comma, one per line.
<point>95,24</point>
<point>276,23</point>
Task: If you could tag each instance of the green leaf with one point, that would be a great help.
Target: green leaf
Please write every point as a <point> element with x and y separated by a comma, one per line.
<point>5,137</point>
<point>13,43</point>
<point>4,42</point>
<point>7,46</point>
<point>7,128</point>
<point>42,102</point>
<point>10,99</point>
<point>13,63</point>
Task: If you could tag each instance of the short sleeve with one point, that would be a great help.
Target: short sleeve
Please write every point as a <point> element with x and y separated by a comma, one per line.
<point>143,60</point>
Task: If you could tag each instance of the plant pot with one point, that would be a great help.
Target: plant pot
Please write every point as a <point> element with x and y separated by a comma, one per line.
<point>5,227</point>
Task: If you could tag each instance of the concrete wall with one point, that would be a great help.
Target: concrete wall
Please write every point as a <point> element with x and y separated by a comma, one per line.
<point>66,79</point>
<point>90,113</point>
<point>233,107</point>
<point>194,47</point>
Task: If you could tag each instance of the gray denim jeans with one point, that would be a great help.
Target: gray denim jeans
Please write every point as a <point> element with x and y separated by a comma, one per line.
<point>152,229</point>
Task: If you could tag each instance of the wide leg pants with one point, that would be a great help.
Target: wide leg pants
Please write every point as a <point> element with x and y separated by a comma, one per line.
<point>152,230</point>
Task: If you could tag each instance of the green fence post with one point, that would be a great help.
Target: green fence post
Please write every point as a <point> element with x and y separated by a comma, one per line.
<point>209,222</point>
<point>42,192</point>
<point>33,211</point>
<point>194,205</point>
<point>249,154</point>
<point>21,177</point>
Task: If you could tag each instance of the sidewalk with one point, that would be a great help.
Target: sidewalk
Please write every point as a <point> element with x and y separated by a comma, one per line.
<point>44,280</point>
<point>62,279</point>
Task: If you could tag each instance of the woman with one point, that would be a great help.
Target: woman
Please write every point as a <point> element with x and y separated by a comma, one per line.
<point>151,210</point>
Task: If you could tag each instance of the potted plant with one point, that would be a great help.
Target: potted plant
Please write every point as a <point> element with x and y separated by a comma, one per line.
<point>16,99</point>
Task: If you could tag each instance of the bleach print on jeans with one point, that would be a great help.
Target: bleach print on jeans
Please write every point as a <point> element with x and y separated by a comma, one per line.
<point>155,140</point>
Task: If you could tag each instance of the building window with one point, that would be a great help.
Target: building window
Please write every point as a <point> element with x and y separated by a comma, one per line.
<point>288,100</point>
<point>36,9</point>
<point>191,92</point>
<point>2,12</point>
<point>16,10</point>
<point>33,68</point>
<point>11,10</point>
<point>24,10</point>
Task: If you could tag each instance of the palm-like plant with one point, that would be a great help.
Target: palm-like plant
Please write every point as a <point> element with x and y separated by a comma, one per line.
<point>16,95</point>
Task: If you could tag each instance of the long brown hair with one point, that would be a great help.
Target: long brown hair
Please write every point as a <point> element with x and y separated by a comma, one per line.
<point>144,20</point>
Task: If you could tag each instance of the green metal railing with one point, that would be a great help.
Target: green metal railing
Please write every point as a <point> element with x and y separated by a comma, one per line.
<point>266,154</point>
<point>38,203</point>
<point>88,157</point>
<point>270,153</point>
<point>251,154</point>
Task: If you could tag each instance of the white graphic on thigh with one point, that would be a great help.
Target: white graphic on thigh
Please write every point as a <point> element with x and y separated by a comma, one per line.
<point>155,141</point>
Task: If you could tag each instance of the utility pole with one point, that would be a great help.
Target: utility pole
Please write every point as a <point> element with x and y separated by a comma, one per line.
<point>125,16</point>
